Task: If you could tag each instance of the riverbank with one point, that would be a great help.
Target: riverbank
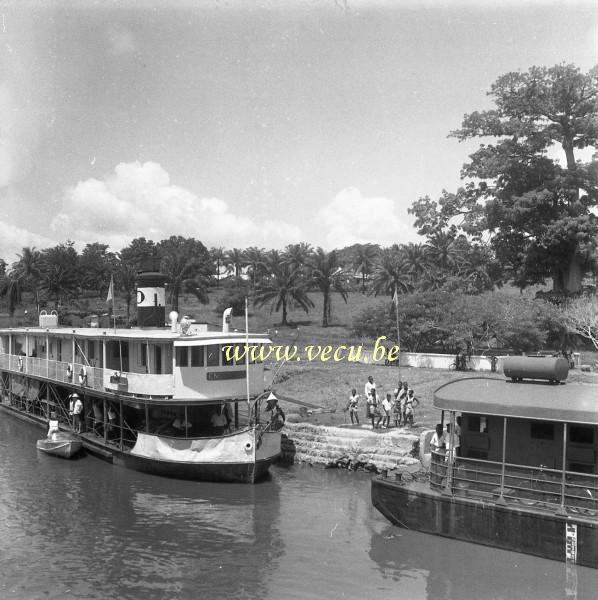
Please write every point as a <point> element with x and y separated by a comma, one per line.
<point>354,448</point>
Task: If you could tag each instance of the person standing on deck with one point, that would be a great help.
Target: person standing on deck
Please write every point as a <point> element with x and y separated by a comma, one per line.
<point>71,412</point>
<point>78,413</point>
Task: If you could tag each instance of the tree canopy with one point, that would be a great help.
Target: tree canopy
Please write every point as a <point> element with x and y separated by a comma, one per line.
<point>536,213</point>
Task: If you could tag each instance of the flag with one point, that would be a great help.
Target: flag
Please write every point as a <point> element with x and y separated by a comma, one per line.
<point>110,296</point>
<point>395,298</point>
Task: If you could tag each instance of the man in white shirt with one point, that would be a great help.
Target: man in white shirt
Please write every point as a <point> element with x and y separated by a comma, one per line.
<point>78,413</point>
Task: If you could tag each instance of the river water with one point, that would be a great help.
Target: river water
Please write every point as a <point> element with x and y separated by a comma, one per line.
<point>86,529</point>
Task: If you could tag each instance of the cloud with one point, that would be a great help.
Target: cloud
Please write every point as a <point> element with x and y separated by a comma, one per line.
<point>350,218</point>
<point>139,200</point>
<point>14,239</point>
<point>120,40</point>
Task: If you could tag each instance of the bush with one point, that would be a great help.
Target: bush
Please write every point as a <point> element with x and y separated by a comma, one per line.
<point>234,292</point>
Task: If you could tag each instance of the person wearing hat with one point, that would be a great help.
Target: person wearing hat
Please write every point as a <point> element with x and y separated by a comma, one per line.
<point>277,418</point>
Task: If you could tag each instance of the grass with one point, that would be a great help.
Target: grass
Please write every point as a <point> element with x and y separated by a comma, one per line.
<point>325,384</point>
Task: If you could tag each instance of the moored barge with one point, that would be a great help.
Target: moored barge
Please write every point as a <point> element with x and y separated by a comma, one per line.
<point>167,399</point>
<point>526,476</point>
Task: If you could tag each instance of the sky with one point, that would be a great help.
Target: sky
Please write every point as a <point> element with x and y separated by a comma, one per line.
<point>251,122</point>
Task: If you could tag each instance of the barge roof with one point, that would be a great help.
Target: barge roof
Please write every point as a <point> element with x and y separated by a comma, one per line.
<point>567,403</point>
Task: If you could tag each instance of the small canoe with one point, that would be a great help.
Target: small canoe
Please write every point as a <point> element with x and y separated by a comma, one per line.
<point>62,445</point>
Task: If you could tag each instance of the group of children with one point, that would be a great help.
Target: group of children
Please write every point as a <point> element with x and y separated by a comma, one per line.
<point>400,407</point>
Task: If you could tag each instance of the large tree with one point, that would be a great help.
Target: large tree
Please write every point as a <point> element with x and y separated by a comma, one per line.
<point>535,210</point>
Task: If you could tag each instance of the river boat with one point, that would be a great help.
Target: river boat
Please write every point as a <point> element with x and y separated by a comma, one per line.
<point>60,444</point>
<point>526,476</point>
<point>163,398</point>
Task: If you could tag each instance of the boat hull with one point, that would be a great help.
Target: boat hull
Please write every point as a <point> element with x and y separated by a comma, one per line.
<point>65,448</point>
<point>515,528</point>
<point>218,472</point>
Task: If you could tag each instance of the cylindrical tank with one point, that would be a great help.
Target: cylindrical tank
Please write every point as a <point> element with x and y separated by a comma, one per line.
<point>531,367</point>
<point>151,299</point>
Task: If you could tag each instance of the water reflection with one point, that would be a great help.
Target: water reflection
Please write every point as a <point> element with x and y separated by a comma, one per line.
<point>88,529</point>
<point>455,570</point>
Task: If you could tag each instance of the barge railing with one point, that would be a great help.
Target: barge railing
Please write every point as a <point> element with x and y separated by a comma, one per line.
<point>515,484</point>
<point>89,377</point>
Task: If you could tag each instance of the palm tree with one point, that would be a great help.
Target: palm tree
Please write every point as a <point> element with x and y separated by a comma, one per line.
<point>27,270</point>
<point>255,259</point>
<point>363,261</point>
<point>327,275</point>
<point>297,255</point>
<point>126,281</point>
<point>414,256</point>
<point>11,288</point>
<point>442,251</point>
<point>96,265</point>
<point>183,263</point>
<point>284,288</point>
<point>60,276</point>
<point>391,273</point>
<point>235,260</point>
<point>218,256</point>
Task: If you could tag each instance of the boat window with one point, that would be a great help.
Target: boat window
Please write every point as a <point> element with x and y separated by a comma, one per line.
<point>213,356</point>
<point>182,356</point>
<point>581,467</point>
<point>197,356</point>
<point>241,354</point>
<point>477,423</point>
<point>541,430</point>
<point>227,355</point>
<point>581,435</point>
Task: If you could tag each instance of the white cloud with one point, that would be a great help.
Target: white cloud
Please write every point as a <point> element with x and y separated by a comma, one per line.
<point>120,40</point>
<point>350,218</point>
<point>14,239</point>
<point>139,200</point>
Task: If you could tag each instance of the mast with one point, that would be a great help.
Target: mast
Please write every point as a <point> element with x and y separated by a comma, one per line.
<point>247,352</point>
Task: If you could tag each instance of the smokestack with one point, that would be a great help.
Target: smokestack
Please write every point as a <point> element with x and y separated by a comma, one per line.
<point>151,299</point>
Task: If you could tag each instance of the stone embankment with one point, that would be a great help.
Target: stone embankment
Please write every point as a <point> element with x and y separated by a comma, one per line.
<point>352,448</point>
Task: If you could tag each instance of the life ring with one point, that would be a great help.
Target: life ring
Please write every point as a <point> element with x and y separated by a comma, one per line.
<point>83,376</point>
<point>69,370</point>
<point>20,363</point>
<point>248,446</point>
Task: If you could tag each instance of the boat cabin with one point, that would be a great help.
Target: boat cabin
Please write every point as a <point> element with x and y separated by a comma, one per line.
<point>519,440</point>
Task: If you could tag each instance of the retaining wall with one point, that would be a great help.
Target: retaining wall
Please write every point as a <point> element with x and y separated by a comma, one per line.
<point>350,447</point>
<point>436,361</point>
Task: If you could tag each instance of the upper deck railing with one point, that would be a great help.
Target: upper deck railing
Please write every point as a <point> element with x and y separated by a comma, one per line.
<point>92,378</point>
<point>521,485</point>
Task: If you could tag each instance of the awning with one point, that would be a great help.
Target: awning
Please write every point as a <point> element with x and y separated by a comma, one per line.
<point>568,402</point>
